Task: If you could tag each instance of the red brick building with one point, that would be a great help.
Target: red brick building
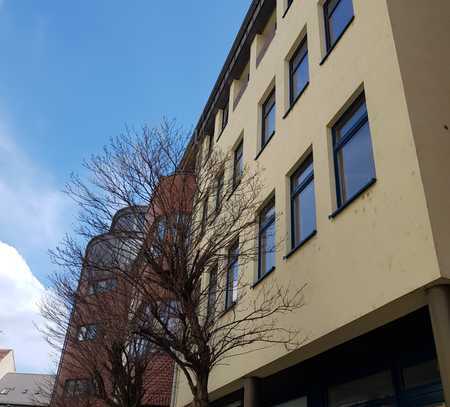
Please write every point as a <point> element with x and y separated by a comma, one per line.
<point>102,311</point>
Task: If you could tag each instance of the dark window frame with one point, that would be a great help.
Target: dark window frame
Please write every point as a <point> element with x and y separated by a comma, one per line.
<point>344,139</point>
<point>220,185</point>
<point>225,115</point>
<point>327,15</point>
<point>292,70</point>
<point>265,112</point>
<point>295,192</point>
<point>212,290</point>
<point>232,261</point>
<point>238,156</point>
<point>204,215</point>
<point>265,224</point>
<point>91,388</point>
<point>87,326</point>
<point>93,287</point>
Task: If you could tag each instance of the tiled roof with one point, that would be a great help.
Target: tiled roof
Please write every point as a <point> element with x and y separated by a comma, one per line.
<point>19,389</point>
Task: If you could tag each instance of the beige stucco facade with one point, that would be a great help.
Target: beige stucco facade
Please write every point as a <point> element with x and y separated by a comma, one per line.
<point>7,363</point>
<point>373,262</point>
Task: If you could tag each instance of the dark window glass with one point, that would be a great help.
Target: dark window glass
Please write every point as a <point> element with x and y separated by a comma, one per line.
<point>300,402</point>
<point>377,387</point>
<point>232,275</point>
<point>219,191</point>
<point>299,71</point>
<point>421,374</point>
<point>78,387</point>
<point>212,291</point>
<point>303,203</point>
<point>204,215</point>
<point>102,286</point>
<point>210,144</point>
<point>353,155</point>
<point>225,114</point>
<point>338,14</point>
<point>87,333</point>
<point>161,229</point>
<point>267,243</point>
<point>238,167</point>
<point>268,118</point>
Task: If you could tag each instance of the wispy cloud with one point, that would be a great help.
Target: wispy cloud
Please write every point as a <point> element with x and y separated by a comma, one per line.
<point>20,296</point>
<point>34,215</point>
<point>33,212</point>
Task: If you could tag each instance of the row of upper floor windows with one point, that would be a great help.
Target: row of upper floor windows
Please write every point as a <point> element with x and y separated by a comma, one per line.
<point>354,172</point>
<point>337,16</point>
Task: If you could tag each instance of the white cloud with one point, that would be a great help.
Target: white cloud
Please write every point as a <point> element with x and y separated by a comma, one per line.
<point>20,295</point>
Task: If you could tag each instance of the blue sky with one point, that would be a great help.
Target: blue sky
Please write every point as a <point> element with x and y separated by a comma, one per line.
<point>73,73</point>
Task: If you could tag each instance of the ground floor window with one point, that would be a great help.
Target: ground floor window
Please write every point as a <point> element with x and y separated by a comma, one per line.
<point>395,365</point>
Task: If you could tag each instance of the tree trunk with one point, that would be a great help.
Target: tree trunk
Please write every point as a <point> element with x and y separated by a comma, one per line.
<point>201,397</point>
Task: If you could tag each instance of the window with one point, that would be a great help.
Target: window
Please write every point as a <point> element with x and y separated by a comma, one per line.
<point>87,333</point>
<point>210,144</point>
<point>232,275</point>
<point>212,292</point>
<point>238,167</point>
<point>338,14</point>
<point>204,215</point>
<point>300,402</point>
<point>161,228</point>
<point>102,286</point>
<point>225,114</point>
<point>298,71</point>
<point>353,155</point>
<point>78,387</point>
<point>267,239</point>
<point>374,388</point>
<point>268,119</point>
<point>219,191</point>
<point>303,206</point>
<point>422,374</point>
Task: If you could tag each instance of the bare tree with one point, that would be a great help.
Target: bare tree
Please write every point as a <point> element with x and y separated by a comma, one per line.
<point>192,298</point>
<point>89,314</point>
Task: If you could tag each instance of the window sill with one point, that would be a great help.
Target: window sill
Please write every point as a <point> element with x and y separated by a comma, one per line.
<point>301,244</point>
<point>353,198</point>
<point>287,9</point>
<point>295,100</point>
<point>330,50</point>
<point>230,194</point>
<point>221,132</point>
<point>228,309</point>
<point>265,145</point>
<point>263,277</point>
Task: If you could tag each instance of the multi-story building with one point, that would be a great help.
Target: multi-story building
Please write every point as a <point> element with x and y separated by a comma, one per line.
<point>346,105</point>
<point>99,325</point>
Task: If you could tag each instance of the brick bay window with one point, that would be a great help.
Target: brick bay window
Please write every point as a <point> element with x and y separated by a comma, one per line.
<point>267,243</point>
<point>303,203</point>
<point>232,276</point>
<point>338,15</point>
<point>353,155</point>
